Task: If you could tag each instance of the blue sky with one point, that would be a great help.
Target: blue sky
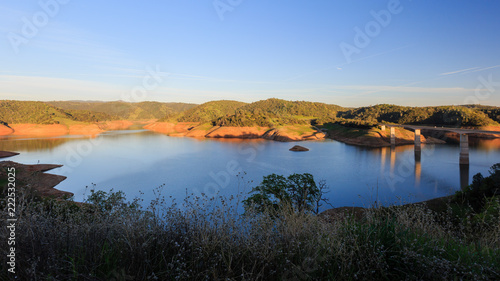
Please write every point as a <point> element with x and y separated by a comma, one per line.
<point>350,53</point>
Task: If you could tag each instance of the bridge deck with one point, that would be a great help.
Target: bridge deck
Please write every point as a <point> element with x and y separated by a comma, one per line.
<point>454,130</point>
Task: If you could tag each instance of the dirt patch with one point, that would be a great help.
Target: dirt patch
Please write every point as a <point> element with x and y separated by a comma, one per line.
<point>39,130</point>
<point>34,177</point>
<point>172,129</point>
<point>287,134</point>
<point>116,125</point>
<point>91,129</point>
<point>54,130</point>
<point>5,154</point>
<point>370,140</point>
<point>237,132</point>
<point>4,130</point>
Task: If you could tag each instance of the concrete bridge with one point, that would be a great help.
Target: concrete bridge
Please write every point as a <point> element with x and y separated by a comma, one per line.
<point>464,137</point>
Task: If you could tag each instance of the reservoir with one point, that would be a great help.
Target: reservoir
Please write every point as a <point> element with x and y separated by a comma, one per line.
<point>139,161</point>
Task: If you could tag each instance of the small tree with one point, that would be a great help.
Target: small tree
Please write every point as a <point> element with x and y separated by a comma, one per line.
<point>297,190</point>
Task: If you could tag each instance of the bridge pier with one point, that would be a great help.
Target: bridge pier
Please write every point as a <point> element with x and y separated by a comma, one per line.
<point>464,176</point>
<point>393,136</point>
<point>464,149</point>
<point>382,127</point>
<point>418,146</point>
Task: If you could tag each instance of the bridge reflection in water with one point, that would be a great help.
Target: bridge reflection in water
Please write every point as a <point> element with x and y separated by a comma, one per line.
<point>464,137</point>
<point>406,163</point>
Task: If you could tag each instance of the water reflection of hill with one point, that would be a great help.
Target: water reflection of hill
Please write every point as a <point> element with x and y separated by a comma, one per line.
<point>30,145</point>
<point>485,144</point>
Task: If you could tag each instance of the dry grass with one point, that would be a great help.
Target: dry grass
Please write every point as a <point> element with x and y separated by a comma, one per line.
<point>207,239</point>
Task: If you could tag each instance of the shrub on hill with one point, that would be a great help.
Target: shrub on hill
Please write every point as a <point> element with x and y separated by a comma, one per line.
<point>276,112</point>
<point>455,116</point>
<point>210,111</point>
<point>32,112</point>
<point>125,110</point>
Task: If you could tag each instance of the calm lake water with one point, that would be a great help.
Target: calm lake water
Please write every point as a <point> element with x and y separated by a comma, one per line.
<point>136,161</point>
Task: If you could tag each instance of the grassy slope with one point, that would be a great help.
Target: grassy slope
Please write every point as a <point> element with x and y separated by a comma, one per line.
<point>455,116</point>
<point>277,112</point>
<point>129,111</point>
<point>210,111</point>
<point>16,112</point>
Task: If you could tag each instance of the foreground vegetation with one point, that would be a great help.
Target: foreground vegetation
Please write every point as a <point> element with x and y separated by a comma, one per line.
<point>208,239</point>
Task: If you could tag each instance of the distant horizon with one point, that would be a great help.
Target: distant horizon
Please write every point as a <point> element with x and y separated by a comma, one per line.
<point>90,101</point>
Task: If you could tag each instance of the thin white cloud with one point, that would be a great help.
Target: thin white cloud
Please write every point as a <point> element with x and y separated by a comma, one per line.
<point>485,68</point>
<point>458,71</point>
<point>469,70</point>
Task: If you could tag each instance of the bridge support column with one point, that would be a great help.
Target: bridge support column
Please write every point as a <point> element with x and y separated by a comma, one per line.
<point>464,176</point>
<point>393,136</point>
<point>418,146</point>
<point>464,149</point>
<point>382,127</point>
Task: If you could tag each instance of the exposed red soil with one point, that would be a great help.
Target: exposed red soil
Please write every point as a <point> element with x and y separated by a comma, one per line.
<point>39,130</point>
<point>91,129</point>
<point>116,125</point>
<point>190,129</point>
<point>287,136</point>
<point>4,130</point>
<point>179,129</point>
<point>238,132</point>
<point>60,130</point>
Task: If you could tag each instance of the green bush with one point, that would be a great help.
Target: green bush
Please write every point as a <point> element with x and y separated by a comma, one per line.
<point>299,191</point>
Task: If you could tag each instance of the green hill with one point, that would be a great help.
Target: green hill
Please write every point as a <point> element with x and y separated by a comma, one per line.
<point>433,115</point>
<point>34,112</point>
<point>267,113</point>
<point>125,110</point>
<point>492,111</point>
<point>276,112</point>
<point>210,111</point>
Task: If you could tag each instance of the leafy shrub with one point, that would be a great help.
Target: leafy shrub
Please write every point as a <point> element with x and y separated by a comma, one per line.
<point>297,190</point>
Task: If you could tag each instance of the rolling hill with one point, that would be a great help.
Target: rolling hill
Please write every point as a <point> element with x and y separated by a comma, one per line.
<point>34,112</point>
<point>210,111</point>
<point>125,110</point>
<point>276,112</point>
<point>455,116</point>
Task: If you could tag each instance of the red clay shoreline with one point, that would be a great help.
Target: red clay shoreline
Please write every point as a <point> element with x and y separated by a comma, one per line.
<point>54,130</point>
<point>373,138</point>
